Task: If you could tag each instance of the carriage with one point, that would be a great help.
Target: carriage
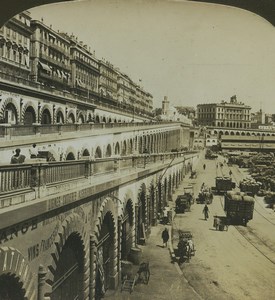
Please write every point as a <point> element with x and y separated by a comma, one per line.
<point>186,248</point>
<point>204,197</point>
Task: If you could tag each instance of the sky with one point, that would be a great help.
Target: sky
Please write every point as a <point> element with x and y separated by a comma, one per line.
<point>192,53</point>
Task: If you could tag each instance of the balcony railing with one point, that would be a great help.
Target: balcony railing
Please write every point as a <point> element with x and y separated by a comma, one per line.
<point>9,131</point>
<point>23,178</point>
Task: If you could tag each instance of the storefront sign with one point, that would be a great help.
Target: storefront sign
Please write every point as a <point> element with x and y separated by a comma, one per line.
<point>20,229</point>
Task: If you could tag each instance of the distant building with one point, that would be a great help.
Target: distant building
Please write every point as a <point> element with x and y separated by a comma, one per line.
<point>231,114</point>
<point>165,106</point>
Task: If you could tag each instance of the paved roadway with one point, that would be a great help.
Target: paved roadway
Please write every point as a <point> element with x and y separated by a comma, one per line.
<point>237,264</point>
<point>234,264</point>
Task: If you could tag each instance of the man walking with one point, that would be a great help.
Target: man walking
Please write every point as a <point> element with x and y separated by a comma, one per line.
<point>165,237</point>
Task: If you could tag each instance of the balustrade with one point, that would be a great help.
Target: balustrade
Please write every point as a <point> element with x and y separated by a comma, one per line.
<point>18,178</point>
<point>15,178</point>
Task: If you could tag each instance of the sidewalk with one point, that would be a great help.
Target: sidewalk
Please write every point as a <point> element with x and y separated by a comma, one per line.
<point>166,280</point>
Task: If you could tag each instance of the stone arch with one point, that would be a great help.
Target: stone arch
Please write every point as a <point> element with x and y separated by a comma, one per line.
<point>46,116</point>
<point>71,228</point>
<point>104,119</point>
<point>60,115</point>
<point>127,227</point>
<point>108,151</point>
<point>98,152</point>
<point>71,116</point>
<point>105,228</point>
<point>9,102</point>
<point>117,149</point>
<point>15,269</point>
<point>80,117</point>
<point>85,152</point>
<point>124,148</point>
<point>97,119</point>
<point>70,154</point>
<point>29,113</point>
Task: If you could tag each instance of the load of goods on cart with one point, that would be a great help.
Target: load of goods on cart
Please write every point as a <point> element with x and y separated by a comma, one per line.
<point>239,207</point>
<point>269,199</point>
<point>250,186</point>
<point>223,184</point>
<point>186,247</point>
<point>205,195</point>
<point>185,200</point>
<point>210,154</point>
<point>183,203</point>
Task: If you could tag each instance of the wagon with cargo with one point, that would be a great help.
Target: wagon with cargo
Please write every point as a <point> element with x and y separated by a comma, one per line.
<point>223,184</point>
<point>239,207</point>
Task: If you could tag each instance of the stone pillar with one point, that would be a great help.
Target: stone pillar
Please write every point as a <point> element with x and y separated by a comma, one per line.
<point>114,260</point>
<point>41,282</point>
<point>93,251</point>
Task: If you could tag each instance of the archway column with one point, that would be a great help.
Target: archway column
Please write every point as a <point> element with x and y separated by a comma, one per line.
<point>93,251</point>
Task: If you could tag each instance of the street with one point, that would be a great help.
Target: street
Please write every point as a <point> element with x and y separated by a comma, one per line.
<point>233,264</point>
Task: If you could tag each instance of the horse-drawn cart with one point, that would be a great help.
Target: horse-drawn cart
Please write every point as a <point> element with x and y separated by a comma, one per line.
<point>186,247</point>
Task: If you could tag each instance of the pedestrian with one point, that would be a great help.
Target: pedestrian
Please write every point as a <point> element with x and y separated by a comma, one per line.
<point>165,237</point>
<point>17,158</point>
<point>204,166</point>
<point>33,151</point>
<point>205,212</point>
<point>230,173</point>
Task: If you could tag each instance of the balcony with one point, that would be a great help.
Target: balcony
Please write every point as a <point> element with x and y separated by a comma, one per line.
<point>55,62</point>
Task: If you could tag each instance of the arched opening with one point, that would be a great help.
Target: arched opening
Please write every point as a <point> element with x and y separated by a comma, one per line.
<point>117,149</point>
<point>70,156</point>
<point>97,120</point>
<point>104,120</point>
<point>60,117</point>
<point>86,153</point>
<point>98,152</point>
<point>115,120</point>
<point>11,288</point>
<point>105,253</point>
<point>127,231</point>
<point>10,114</point>
<point>71,118</point>
<point>124,148</point>
<point>109,151</point>
<point>141,217</point>
<point>68,276</point>
<point>81,119</point>
<point>29,116</point>
<point>46,117</point>
<point>110,120</point>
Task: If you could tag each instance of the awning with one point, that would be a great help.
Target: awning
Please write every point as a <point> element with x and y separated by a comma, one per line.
<point>27,60</point>
<point>45,67</point>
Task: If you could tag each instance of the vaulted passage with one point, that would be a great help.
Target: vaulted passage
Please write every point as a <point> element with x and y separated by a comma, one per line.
<point>11,288</point>
<point>127,231</point>
<point>105,257</point>
<point>68,278</point>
